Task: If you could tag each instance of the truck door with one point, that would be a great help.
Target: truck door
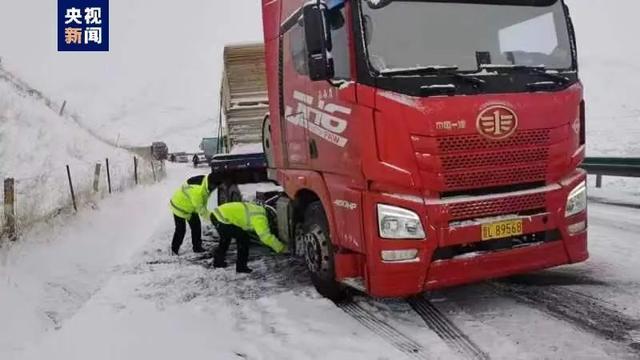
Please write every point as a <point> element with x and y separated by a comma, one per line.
<point>295,96</point>
<point>331,131</point>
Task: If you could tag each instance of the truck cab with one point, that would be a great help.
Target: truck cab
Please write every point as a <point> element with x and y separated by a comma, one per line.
<point>425,144</point>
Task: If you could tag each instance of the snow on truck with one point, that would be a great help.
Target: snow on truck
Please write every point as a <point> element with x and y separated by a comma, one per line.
<point>419,144</point>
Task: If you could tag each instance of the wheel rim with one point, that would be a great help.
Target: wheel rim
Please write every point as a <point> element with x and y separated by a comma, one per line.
<point>315,250</point>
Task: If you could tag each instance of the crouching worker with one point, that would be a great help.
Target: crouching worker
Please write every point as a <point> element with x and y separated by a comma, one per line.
<point>189,204</point>
<point>238,220</point>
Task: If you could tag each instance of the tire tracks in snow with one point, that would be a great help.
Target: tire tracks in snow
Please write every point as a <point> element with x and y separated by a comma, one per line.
<point>435,320</point>
<point>446,330</point>
<point>583,311</point>
<point>394,337</point>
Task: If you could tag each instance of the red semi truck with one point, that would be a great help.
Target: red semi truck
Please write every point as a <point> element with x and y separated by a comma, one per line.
<point>425,144</point>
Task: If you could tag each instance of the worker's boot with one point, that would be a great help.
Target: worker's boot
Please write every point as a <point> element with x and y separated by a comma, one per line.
<point>243,269</point>
<point>219,263</point>
<point>198,249</point>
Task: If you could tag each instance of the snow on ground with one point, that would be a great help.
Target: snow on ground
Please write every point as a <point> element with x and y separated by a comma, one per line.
<point>103,286</point>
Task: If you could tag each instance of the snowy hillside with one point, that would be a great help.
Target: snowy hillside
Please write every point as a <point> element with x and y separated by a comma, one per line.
<point>36,144</point>
<point>158,81</point>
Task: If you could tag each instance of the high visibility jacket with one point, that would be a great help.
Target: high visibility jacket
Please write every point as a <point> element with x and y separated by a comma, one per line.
<point>192,198</point>
<point>249,217</point>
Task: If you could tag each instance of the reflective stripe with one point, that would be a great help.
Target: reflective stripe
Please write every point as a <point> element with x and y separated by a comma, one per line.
<point>179,208</point>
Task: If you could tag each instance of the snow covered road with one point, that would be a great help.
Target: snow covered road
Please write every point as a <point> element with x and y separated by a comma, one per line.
<point>128,299</point>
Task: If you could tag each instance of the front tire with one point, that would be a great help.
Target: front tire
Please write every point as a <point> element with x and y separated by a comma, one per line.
<point>319,253</point>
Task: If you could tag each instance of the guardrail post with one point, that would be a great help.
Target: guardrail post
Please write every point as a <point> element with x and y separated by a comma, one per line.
<point>598,181</point>
<point>9,209</point>
<point>96,177</point>
<point>135,169</point>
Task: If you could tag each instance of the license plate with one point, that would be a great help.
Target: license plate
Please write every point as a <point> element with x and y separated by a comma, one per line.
<point>501,229</point>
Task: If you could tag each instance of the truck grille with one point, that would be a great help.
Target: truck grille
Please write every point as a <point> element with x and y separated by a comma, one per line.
<point>471,162</point>
<point>466,161</point>
<point>497,206</point>
<point>539,137</point>
<point>494,177</point>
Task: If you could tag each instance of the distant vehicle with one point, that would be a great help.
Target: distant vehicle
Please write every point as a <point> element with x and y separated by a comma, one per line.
<point>159,150</point>
<point>179,157</point>
<point>210,146</point>
<point>199,158</point>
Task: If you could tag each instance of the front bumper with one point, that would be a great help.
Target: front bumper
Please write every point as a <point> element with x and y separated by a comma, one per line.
<point>433,271</point>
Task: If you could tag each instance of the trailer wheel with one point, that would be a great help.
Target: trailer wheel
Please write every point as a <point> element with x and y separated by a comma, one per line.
<point>228,193</point>
<point>318,253</point>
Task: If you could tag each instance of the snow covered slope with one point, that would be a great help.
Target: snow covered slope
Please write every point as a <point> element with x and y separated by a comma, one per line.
<point>160,79</point>
<point>35,146</point>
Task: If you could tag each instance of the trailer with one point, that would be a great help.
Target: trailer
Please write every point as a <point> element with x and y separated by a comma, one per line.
<point>416,150</point>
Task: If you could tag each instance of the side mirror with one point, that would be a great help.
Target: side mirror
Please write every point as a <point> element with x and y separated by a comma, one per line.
<point>318,41</point>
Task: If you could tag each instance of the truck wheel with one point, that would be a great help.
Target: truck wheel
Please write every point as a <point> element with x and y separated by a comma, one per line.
<point>228,193</point>
<point>318,253</point>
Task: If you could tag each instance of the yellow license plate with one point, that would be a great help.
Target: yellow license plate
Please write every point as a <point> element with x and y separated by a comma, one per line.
<point>501,229</point>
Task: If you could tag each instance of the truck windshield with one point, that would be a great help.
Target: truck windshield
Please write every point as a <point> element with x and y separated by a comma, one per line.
<point>402,36</point>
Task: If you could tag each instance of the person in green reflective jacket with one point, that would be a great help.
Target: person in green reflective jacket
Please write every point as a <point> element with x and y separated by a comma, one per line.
<point>237,220</point>
<point>189,204</point>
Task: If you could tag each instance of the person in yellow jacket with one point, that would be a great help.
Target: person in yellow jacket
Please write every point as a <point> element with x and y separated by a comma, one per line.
<point>237,220</point>
<point>189,204</point>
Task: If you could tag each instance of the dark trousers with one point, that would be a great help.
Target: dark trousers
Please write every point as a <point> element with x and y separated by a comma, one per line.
<point>228,232</point>
<point>181,229</point>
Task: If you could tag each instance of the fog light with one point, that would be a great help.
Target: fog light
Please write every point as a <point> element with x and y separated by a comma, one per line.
<point>577,227</point>
<point>399,255</point>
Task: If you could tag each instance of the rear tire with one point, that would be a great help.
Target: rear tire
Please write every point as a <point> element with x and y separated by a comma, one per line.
<point>319,253</point>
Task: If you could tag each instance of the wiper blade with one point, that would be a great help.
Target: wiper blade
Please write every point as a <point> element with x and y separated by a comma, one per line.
<point>420,70</point>
<point>540,70</point>
<point>437,70</point>
<point>475,81</point>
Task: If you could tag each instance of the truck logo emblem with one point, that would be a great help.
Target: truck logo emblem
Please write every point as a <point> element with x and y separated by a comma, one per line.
<point>497,122</point>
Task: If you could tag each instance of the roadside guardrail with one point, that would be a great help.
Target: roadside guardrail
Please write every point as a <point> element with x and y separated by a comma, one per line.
<point>611,166</point>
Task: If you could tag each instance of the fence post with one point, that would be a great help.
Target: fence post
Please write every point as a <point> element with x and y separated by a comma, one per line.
<point>108,176</point>
<point>135,169</point>
<point>64,104</point>
<point>73,194</point>
<point>9,209</point>
<point>598,181</point>
<point>96,177</point>
<point>153,170</point>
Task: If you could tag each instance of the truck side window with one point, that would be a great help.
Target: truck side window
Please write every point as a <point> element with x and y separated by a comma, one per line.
<point>298,49</point>
<point>340,40</point>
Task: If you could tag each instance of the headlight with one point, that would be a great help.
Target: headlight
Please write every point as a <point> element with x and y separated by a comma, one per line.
<point>399,223</point>
<point>577,200</point>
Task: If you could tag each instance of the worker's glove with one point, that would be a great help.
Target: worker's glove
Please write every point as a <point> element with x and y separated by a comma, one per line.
<point>279,248</point>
